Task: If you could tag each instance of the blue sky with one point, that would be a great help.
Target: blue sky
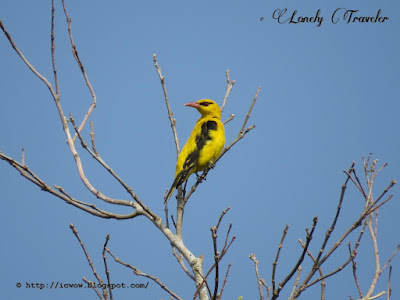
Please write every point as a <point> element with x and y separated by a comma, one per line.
<point>329,96</point>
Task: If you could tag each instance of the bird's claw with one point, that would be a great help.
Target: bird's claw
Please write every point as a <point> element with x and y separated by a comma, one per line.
<point>200,177</point>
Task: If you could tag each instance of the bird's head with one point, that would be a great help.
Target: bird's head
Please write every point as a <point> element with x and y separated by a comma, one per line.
<point>206,107</point>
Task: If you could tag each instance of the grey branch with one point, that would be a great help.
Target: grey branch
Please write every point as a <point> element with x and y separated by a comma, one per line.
<point>137,272</point>
<point>170,113</point>
<point>60,193</point>
<point>82,68</point>
<point>75,231</point>
<point>260,281</point>
<point>229,86</point>
<point>106,267</point>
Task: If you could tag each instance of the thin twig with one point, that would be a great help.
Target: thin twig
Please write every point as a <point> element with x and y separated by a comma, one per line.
<point>92,138</point>
<point>182,263</point>
<point>170,113</point>
<point>216,259</point>
<point>23,157</point>
<point>53,47</point>
<point>300,260</point>
<point>137,272</point>
<point>296,283</point>
<point>106,266</point>
<point>231,117</point>
<point>204,281</point>
<point>229,86</point>
<point>93,286</point>
<point>23,160</point>
<point>250,109</point>
<point>214,235</point>
<point>225,280</point>
<point>275,263</point>
<point>75,231</point>
<point>82,68</point>
<point>323,283</point>
<point>96,192</point>
<point>355,253</point>
<point>359,183</point>
<point>90,208</point>
<point>221,217</point>
<point>223,252</point>
<point>259,279</point>
<point>391,184</point>
<point>389,290</point>
<point>390,258</point>
<point>29,65</point>
<point>339,207</point>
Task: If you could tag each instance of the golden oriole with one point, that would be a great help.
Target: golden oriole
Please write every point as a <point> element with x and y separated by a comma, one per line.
<point>204,144</point>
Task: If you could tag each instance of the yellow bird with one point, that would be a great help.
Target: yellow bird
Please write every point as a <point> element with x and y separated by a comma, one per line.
<point>204,144</point>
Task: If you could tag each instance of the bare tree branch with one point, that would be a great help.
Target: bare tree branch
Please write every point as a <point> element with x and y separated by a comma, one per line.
<point>339,207</point>
<point>89,260</point>
<point>82,68</point>
<point>275,292</point>
<point>323,283</point>
<point>217,256</point>
<point>231,117</point>
<point>181,262</point>
<point>29,65</point>
<point>370,208</point>
<point>93,286</point>
<point>53,47</point>
<point>260,281</point>
<point>229,86</point>
<point>92,138</point>
<point>223,284</point>
<point>389,290</point>
<point>170,113</point>
<point>249,112</point>
<point>90,208</point>
<point>204,282</point>
<point>137,272</point>
<point>275,263</point>
<point>106,267</point>
<point>214,235</point>
<point>296,283</point>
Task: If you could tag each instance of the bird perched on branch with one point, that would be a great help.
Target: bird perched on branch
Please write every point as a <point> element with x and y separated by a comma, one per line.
<point>204,144</point>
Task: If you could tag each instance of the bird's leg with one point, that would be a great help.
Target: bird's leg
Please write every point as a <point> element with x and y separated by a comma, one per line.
<point>200,178</point>
<point>211,165</point>
<point>184,189</point>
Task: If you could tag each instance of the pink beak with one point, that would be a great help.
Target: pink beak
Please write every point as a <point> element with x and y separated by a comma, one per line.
<point>193,104</point>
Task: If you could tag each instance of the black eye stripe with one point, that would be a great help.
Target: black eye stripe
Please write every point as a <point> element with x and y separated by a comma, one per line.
<point>205,103</point>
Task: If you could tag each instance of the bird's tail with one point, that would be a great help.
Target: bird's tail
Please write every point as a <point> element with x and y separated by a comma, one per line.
<point>179,179</point>
<point>171,190</point>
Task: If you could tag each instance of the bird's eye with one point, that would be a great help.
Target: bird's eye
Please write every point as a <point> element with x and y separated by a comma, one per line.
<point>205,103</point>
